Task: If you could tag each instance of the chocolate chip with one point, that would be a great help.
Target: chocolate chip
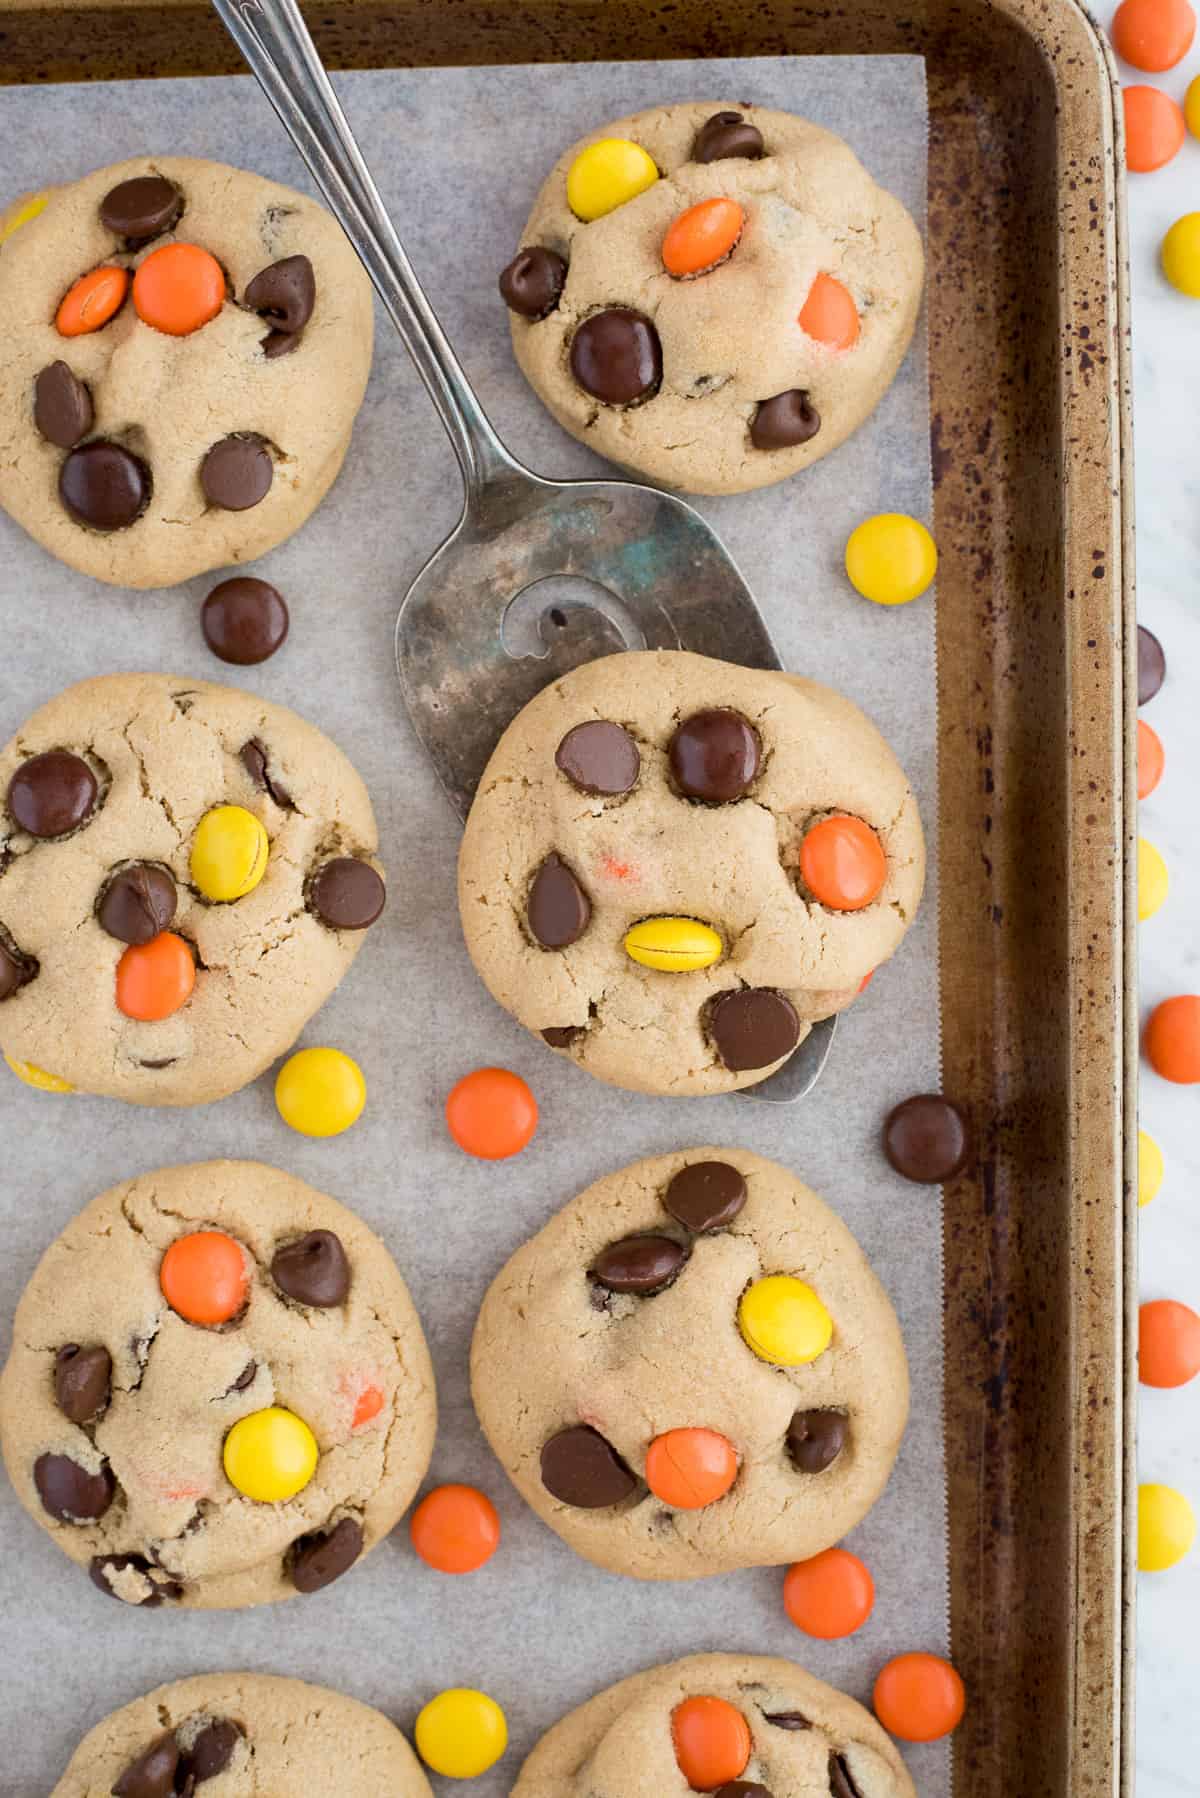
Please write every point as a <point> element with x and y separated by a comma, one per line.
<point>753,1027</point>
<point>164,1587</point>
<point>926,1139</point>
<point>52,793</point>
<point>318,1560</point>
<point>727,134</point>
<point>280,343</point>
<point>152,1775</point>
<point>82,1381</point>
<point>533,282</point>
<point>237,472</point>
<point>793,1720</point>
<point>314,1270</point>
<point>161,1061</point>
<point>244,620</point>
<point>286,293</point>
<point>559,910</point>
<point>599,758</point>
<point>212,1750</point>
<point>254,761</point>
<point>815,1439</point>
<point>69,1492</point>
<point>347,893</point>
<point>785,420</point>
<point>705,1196</point>
<point>742,1788</point>
<point>141,208</point>
<point>715,755</point>
<point>16,968</point>
<point>104,486</point>
<point>561,1036</point>
<point>616,356</point>
<point>136,902</point>
<point>62,406</point>
<point>840,1783</point>
<point>641,1264</point>
<point>580,1468</point>
<point>244,1380</point>
<point>1152,664</point>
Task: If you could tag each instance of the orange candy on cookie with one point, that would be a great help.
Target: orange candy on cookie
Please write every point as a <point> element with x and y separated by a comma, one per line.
<point>1150,759</point>
<point>829,1596</point>
<point>455,1529</point>
<point>179,288</point>
<point>367,1407</point>
<point>1172,1039</point>
<point>94,299</point>
<point>829,314</point>
<point>712,1742</point>
<point>1168,1343</point>
<point>688,1469</point>
<point>154,979</point>
<point>491,1113</point>
<point>701,237</point>
<point>1154,128</point>
<point>842,863</point>
<point>1153,34</point>
<point>919,1697</point>
<point>204,1277</point>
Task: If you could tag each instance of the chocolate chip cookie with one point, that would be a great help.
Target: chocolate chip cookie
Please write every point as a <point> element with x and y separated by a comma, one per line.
<point>692,1368</point>
<point>187,347</point>
<point>173,1344</point>
<point>673,865</point>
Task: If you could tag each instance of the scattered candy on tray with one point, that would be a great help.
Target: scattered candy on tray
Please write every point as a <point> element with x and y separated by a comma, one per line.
<point>919,1697</point>
<point>244,620</point>
<point>829,1596</point>
<point>1150,1168</point>
<point>205,1278</point>
<point>1191,106</point>
<point>1150,759</point>
<point>1153,881</point>
<point>1172,1039</point>
<point>455,1529</point>
<point>1168,1343</point>
<point>891,558</point>
<point>690,1468</point>
<point>1166,1527</point>
<point>1153,34</point>
<point>461,1733</point>
<point>1151,661</point>
<point>784,1322</point>
<point>491,1113</point>
<point>1154,128</point>
<point>712,1742</point>
<point>607,174</point>
<point>926,1139</point>
<point>229,853</point>
<point>1181,255</point>
<point>270,1455</point>
<point>320,1092</point>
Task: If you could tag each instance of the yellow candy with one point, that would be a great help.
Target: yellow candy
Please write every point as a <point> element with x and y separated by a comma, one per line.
<point>784,1321</point>
<point>1191,106</point>
<point>1166,1527</point>
<point>270,1455</point>
<point>320,1092</point>
<point>606,174</point>
<point>1153,879</point>
<point>891,558</point>
<point>461,1733</point>
<point>676,945</point>
<point>38,1077</point>
<point>1150,1168</point>
<point>229,853</point>
<point>23,215</point>
<point>1181,254</point>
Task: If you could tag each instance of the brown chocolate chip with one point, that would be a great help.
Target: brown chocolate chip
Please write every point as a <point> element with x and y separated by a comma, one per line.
<point>280,343</point>
<point>142,208</point>
<point>136,902</point>
<point>347,893</point>
<point>561,1036</point>
<point>599,757</point>
<point>254,761</point>
<point>244,620</point>
<point>16,968</point>
<point>104,486</point>
<point>753,1027</point>
<point>152,1774</point>
<point>815,1439</point>
<point>840,1783</point>
<point>533,282</point>
<point>793,1720</point>
<point>559,910</point>
<point>161,1061</point>
<point>926,1139</point>
<point>785,420</point>
<point>69,1492</point>
<point>314,1270</point>
<point>52,793</point>
<point>580,1468</point>
<point>707,1195</point>
<point>164,1587</point>
<point>212,1750</point>
<point>82,1381</point>
<point>62,406</point>
<point>1152,664</point>
<point>640,1264</point>
<point>715,755</point>
<point>244,1380</point>
<point>237,472</point>
<point>286,293</point>
<point>727,134</point>
<point>742,1788</point>
<point>616,356</point>
<point>318,1560</point>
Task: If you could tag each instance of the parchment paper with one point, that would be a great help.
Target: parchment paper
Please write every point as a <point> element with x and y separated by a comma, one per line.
<point>459,154</point>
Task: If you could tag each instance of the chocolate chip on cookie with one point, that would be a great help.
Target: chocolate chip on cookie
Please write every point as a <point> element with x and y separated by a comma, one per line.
<point>785,420</point>
<point>706,1195</point>
<point>727,134</point>
<point>616,356</point>
<point>638,1264</point>
<point>926,1139</point>
<point>141,208</point>
<point>152,1774</point>
<point>69,1492</point>
<point>137,901</point>
<point>317,1560</point>
<point>841,1785</point>
<point>255,761</point>
<point>52,794</point>
<point>561,1036</point>
<point>82,1381</point>
<point>580,1468</point>
<point>532,283</point>
<point>16,968</point>
<point>154,1584</point>
<point>104,486</point>
<point>793,1720</point>
<point>285,293</point>
<point>753,1027</point>
<point>743,1788</point>
<point>815,1439</point>
<point>62,406</point>
<point>599,757</point>
<point>715,755</point>
<point>237,472</point>
<point>558,909</point>
<point>347,893</point>
<point>244,620</point>
<point>212,1750</point>
<point>314,1270</point>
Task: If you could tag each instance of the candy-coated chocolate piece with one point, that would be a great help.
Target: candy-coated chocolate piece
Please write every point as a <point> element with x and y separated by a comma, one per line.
<point>491,1113</point>
<point>727,135</point>
<point>69,1492</point>
<point>842,863</point>
<point>1153,881</point>
<point>1181,255</point>
<point>1172,1039</point>
<point>29,211</point>
<point>606,175</point>
<point>638,1264</point>
<point>205,1277</point>
<point>141,208</point>
<point>313,1270</point>
<point>104,486</point>
<point>270,1455</point>
<point>581,1467</point>
<point>1153,34</point>
<point>532,283</point>
<point>137,901</point>
<point>229,853</point>
<point>1166,1527</point>
<point>815,1439</point>
<point>367,1407</point>
<point>62,406</point>
<point>461,1733</point>
<point>558,911</point>
<point>616,356</point>
<point>455,1529</point>
<point>891,558</point>
<point>673,945</point>
<point>1151,661</point>
<point>178,288</point>
<point>712,1742</point>
<point>690,1468</point>
<point>347,893</point>
<point>82,1381</point>
<point>715,755</point>
<point>919,1697</point>
<point>1150,1168</point>
<point>599,757</point>
<point>1168,1343</point>
<point>698,239</point>
<point>31,1075</point>
<point>52,794</point>
<point>1154,128</point>
<point>155,979</point>
<point>1150,759</point>
<point>317,1560</point>
<point>92,301</point>
<point>829,314</point>
<point>829,1596</point>
<point>784,420</point>
<point>784,1322</point>
<point>752,1027</point>
<point>320,1092</point>
<point>706,1195</point>
<point>926,1139</point>
<point>244,620</point>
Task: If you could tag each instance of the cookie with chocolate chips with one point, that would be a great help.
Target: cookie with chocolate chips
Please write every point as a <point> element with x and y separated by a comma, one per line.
<point>621,1325</point>
<point>661,789</point>
<point>249,1732</point>
<point>118,1398</point>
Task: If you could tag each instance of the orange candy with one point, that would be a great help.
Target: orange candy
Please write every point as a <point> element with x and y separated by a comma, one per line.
<point>712,1742</point>
<point>93,300</point>
<point>1154,128</point>
<point>367,1406</point>
<point>829,1596</point>
<point>1150,759</point>
<point>919,1697</point>
<point>829,314</point>
<point>688,1469</point>
<point>1172,1039</point>
<point>1168,1343</point>
<point>154,979</point>
<point>455,1529</point>
<point>842,863</point>
<point>491,1113</point>
<point>866,980</point>
<point>179,288</point>
<point>1153,34</point>
<point>204,1277</point>
<point>701,237</point>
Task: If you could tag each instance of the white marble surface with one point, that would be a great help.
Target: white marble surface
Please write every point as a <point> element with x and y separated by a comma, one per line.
<point>1166,343</point>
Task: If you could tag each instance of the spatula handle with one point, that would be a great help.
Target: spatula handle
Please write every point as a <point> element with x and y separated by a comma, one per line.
<point>273,38</point>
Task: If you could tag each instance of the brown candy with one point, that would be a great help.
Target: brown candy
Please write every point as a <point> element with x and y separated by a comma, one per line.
<point>1151,664</point>
<point>561,1036</point>
<point>314,1270</point>
<point>753,1027</point>
<point>599,758</point>
<point>237,472</point>
<point>638,1264</point>
<point>347,893</point>
<point>616,356</point>
<point>137,902</point>
<point>705,1196</point>
<point>141,208</point>
<point>580,1468</point>
<point>926,1139</point>
<point>815,1439</point>
<point>62,406</point>
<point>244,620</point>
<point>715,755</point>
<point>164,1586</point>
<point>285,292</point>
<point>725,135</point>
<point>254,761</point>
<point>559,910</point>
<point>785,420</point>
<point>69,1492</point>
<point>840,1783</point>
<point>52,794</point>
<point>82,1381</point>
<point>532,283</point>
<point>16,968</point>
<point>152,1774</point>
<point>104,486</point>
<point>319,1559</point>
<point>212,1750</point>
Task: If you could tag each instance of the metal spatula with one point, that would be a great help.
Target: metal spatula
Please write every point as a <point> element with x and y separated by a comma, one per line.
<point>539,575</point>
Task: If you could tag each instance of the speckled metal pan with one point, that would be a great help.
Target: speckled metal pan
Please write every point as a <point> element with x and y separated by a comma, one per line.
<point>1031,447</point>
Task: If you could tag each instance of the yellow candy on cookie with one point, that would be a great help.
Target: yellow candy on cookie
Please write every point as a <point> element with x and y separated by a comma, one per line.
<point>37,1077</point>
<point>784,1322</point>
<point>674,945</point>
<point>29,210</point>
<point>320,1092</point>
<point>461,1733</point>
<point>606,175</point>
<point>229,853</point>
<point>270,1455</point>
<point>1166,1527</point>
